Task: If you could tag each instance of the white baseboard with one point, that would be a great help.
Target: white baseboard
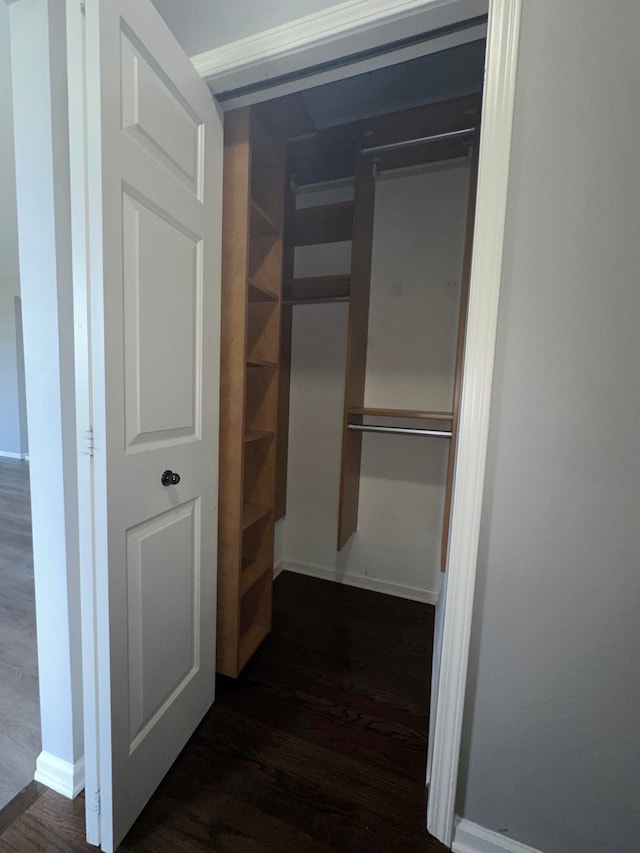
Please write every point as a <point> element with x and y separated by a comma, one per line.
<point>469,837</point>
<point>9,454</point>
<point>62,776</point>
<point>277,569</point>
<point>362,582</point>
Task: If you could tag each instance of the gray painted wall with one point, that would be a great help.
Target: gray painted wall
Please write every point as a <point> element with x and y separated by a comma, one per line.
<point>201,25</point>
<point>12,426</point>
<point>551,751</point>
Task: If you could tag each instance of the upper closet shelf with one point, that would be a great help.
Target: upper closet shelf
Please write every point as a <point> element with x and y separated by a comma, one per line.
<point>328,288</point>
<point>408,414</point>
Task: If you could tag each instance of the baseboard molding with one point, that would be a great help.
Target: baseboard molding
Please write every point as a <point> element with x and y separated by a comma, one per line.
<point>469,837</point>
<point>59,775</point>
<point>9,454</point>
<point>362,582</point>
<point>277,569</point>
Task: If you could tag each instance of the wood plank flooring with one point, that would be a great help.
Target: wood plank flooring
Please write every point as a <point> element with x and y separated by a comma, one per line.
<point>19,705</point>
<point>318,747</point>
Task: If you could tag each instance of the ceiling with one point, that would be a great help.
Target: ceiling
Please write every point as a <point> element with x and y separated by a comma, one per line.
<point>201,25</point>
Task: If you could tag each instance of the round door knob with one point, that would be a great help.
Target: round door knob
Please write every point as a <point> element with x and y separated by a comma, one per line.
<point>169,478</point>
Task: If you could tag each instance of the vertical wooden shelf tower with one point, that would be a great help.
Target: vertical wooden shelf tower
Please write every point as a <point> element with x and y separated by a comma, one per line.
<point>253,201</point>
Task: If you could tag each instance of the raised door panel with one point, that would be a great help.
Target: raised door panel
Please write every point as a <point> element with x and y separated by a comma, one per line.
<point>164,594</point>
<point>157,116</point>
<point>163,319</point>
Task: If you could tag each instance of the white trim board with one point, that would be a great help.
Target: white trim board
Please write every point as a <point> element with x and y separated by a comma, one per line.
<point>84,414</point>
<point>469,837</point>
<point>475,406</point>
<point>341,30</point>
<point>328,573</point>
<point>59,775</point>
<point>9,454</point>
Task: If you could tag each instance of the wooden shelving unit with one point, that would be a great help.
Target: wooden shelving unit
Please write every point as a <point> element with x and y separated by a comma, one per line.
<point>253,200</point>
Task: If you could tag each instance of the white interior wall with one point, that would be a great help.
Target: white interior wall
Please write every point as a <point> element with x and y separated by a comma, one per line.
<point>39,73</point>
<point>12,426</point>
<point>417,260</point>
<point>206,24</point>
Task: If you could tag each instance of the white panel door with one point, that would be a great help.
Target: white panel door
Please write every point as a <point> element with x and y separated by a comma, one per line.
<point>154,154</point>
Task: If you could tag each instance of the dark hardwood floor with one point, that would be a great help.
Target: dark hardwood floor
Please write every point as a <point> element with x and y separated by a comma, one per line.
<point>319,746</point>
<point>19,705</point>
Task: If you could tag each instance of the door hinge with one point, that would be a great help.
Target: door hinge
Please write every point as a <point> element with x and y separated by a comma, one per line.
<point>89,446</point>
<point>95,802</point>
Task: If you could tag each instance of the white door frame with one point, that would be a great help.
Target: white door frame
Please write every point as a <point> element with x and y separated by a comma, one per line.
<point>327,36</point>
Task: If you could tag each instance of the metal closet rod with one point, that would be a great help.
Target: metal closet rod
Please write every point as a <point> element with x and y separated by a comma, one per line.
<point>438,433</point>
<point>420,140</point>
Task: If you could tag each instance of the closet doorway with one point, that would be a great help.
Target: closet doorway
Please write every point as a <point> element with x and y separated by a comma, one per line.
<point>340,386</point>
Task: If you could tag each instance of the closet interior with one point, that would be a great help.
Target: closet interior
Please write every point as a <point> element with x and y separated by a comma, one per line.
<point>347,234</point>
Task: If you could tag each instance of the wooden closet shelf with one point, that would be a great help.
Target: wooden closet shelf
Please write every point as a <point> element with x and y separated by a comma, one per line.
<point>327,223</point>
<point>252,513</point>
<point>262,225</point>
<point>259,293</point>
<point>252,571</point>
<point>318,287</point>
<point>401,413</point>
<point>260,362</point>
<point>258,434</point>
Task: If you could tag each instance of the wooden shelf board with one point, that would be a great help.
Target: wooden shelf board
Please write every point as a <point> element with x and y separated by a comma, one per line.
<point>252,513</point>
<point>327,223</point>
<point>258,434</point>
<point>318,287</point>
<point>401,413</point>
<point>262,225</point>
<point>252,571</point>
<point>260,362</point>
<point>259,293</point>
<point>249,642</point>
